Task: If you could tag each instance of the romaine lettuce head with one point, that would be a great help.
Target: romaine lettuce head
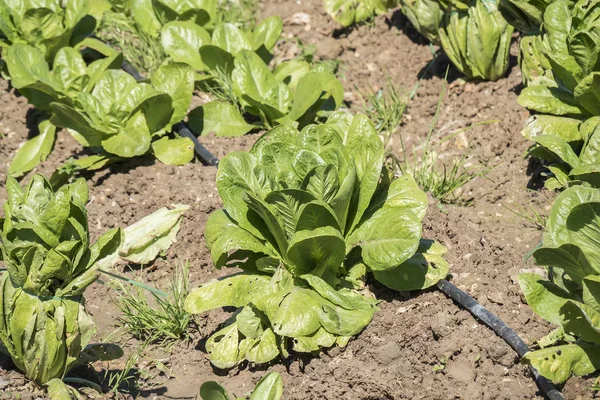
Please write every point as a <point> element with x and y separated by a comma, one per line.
<point>45,241</point>
<point>306,215</point>
<point>45,24</point>
<point>44,336</point>
<point>477,39</point>
<point>571,297</point>
<point>125,118</point>
<point>316,201</point>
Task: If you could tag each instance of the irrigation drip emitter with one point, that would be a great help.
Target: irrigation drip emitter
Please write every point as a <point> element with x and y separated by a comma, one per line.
<point>501,329</point>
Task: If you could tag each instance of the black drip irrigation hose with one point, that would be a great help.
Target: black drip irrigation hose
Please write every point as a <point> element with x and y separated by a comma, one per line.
<point>501,329</point>
<point>181,128</point>
<point>202,152</point>
<point>130,69</point>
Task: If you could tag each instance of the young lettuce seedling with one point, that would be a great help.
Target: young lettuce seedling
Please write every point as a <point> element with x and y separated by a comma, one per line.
<point>45,246</point>
<point>306,215</point>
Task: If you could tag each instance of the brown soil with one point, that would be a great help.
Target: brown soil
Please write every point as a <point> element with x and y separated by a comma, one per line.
<point>414,334</point>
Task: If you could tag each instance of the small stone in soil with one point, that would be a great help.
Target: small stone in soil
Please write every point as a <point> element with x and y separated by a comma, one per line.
<point>5,382</point>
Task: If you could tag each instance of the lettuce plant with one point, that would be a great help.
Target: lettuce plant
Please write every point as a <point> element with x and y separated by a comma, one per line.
<point>45,24</point>
<point>103,108</point>
<point>291,92</point>
<point>477,39</point>
<point>31,75</point>
<point>61,81</point>
<point>233,64</point>
<point>426,16</point>
<point>307,214</point>
<point>569,44</point>
<point>350,12</point>
<point>269,387</point>
<point>526,16</point>
<point>211,52</point>
<point>122,118</point>
<point>570,297</point>
<point>569,146</point>
<point>45,246</point>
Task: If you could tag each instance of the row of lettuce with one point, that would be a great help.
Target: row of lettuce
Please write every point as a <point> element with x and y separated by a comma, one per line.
<point>474,34</point>
<point>558,55</point>
<point>50,56</point>
<point>558,59</point>
<point>311,209</point>
<point>560,66</point>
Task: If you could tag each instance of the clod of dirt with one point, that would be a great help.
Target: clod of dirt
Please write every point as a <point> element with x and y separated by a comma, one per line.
<point>301,18</point>
<point>330,48</point>
<point>461,371</point>
<point>387,353</point>
<point>4,382</point>
<point>442,324</point>
<point>496,297</point>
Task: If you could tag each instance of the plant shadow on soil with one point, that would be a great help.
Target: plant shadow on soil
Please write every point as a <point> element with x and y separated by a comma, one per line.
<point>401,22</point>
<point>534,170</point>
<point>128,386</point>
<point>124,167</point>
